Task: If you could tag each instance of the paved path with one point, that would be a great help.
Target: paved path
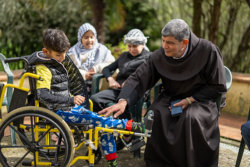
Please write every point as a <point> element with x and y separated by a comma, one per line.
<point>229,127</point>
<point>227,157</point>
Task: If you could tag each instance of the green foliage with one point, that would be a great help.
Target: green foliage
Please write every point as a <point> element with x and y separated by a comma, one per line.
<point>136,13</point>
<point>166,10</point>
<point>115,14</point>
<point>23,23</point>
<point>117,50</point>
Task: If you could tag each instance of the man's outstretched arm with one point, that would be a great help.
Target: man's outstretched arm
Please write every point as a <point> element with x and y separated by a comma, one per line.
<point>119,108</point>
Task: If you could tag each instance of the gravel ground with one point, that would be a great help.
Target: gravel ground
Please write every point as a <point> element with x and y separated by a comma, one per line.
<point>227,157</point>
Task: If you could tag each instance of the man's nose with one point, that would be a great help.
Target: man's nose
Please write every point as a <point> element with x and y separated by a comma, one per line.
<point>164,45</point>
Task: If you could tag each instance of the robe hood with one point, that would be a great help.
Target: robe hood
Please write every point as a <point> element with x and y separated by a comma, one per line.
<point>186,67</point>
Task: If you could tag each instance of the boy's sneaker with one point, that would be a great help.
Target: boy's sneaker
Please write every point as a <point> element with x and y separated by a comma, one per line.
<point>139,127</point>
<point>112,163</point>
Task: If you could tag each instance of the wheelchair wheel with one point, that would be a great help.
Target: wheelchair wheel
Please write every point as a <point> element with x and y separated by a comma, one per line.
<point>25,118</point>
<point>44,152</point>
<point>98,155</point>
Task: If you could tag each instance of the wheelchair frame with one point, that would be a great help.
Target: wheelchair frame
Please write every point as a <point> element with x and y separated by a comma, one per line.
<point>12,120</point>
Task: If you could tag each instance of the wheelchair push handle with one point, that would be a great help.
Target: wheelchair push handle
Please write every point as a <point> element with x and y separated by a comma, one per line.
<point>16,59</point>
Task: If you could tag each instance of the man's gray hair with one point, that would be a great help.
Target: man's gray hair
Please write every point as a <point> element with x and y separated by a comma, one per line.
<point>177,28</point>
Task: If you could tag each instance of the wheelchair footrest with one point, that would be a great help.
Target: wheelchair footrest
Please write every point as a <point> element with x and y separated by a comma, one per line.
<point>136,144</point>
<point>27,163</point>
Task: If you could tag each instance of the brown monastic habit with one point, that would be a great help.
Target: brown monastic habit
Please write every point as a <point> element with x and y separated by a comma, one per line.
<point>191,139</point>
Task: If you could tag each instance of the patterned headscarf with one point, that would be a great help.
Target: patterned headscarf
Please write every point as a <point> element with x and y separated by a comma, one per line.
<point>135,37</point>
<point>97,53</point>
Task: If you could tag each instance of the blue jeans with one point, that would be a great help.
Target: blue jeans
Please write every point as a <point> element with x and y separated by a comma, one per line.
<point>81,115</point>
<point>245,132</point>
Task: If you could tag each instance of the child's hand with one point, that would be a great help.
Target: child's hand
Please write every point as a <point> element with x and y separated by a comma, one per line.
<point>89,75</point>
<point>92,70</point>
<point>78,99</point>
<point>113,84</point>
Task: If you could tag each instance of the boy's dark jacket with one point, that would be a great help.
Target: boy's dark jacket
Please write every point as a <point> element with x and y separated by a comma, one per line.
<point>66,79</point>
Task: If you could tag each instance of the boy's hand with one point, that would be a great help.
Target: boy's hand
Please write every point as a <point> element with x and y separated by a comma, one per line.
<point>78,99</point>
<point>89,75</point>
<point>113,84</point>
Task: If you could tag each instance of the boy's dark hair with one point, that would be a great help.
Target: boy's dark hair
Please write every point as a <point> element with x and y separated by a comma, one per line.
<point>56,40</point>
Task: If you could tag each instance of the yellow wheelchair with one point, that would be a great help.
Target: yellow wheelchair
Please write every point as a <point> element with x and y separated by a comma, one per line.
<point>34,126</point>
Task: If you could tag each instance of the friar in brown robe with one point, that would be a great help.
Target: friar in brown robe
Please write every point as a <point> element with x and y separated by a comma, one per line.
<point>192,70</point>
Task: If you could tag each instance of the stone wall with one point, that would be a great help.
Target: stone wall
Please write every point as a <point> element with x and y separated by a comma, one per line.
<point>238,97</point>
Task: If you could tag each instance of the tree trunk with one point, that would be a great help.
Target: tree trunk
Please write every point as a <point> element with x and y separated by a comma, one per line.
<point>243,47</point>
<point>214,25</point>
<point>98,9</point>
<point>232,17</point>
<point>248,2</point>
<point>197,11</point>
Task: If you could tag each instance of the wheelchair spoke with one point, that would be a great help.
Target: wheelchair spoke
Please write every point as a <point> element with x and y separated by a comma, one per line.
<point>42,146</point>
<point>32,129</point>
<point>44,134</point>
<point>13,147</point>
<point>34,154</point>
<point>45,155</point>
<point>22,158</point>
<point>20,134</point>
<point>57,149</point>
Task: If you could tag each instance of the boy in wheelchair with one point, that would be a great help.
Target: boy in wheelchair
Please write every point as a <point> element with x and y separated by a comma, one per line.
<point>53,92</point>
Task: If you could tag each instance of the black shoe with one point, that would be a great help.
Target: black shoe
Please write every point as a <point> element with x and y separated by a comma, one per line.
<point>147,123</point>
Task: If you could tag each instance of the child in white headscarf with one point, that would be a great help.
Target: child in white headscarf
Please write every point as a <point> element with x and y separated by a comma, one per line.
<point>127,63</point>
<point>89,55</point>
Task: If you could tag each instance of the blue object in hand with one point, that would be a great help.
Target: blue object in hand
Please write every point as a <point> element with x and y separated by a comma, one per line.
<point>175,111</point>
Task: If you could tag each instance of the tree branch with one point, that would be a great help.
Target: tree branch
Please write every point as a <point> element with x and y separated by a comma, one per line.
<point>232,17</point>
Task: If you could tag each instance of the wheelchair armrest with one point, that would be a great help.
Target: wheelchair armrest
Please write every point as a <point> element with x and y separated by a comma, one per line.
<point>229,78</point>
<point>95,83</point>
<point>157,89</point>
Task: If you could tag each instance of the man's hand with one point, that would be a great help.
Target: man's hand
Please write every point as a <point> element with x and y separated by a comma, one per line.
<point>89,75</point>
<point>78,99</point>
<point>123,83</point>
<point>119,108</point>
<point>184,103</point>
<point>113,84</point>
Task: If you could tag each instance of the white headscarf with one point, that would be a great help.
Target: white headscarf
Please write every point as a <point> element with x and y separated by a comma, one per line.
<point>136,37</point>
<point>97,53</point>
